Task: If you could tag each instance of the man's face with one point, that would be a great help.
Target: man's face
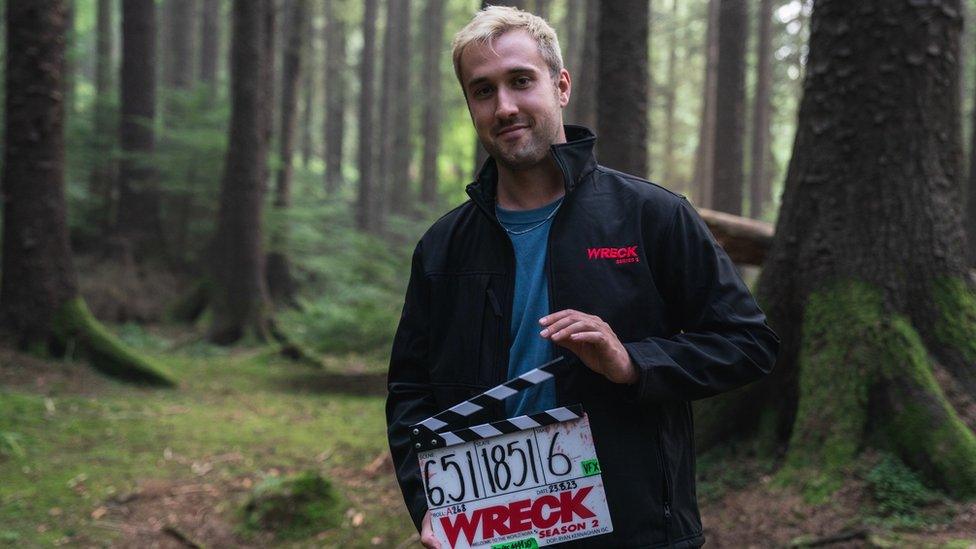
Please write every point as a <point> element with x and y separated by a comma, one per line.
<point>514,103</point>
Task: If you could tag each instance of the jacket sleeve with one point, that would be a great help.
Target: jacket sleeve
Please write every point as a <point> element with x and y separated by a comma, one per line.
<point>723,342</point>
<point>410,399</point>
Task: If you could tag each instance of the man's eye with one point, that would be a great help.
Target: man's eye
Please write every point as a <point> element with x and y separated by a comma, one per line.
<point>482,91</point>
<point>522,81</point>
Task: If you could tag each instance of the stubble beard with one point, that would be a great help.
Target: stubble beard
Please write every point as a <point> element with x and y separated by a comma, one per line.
<point>531,150</point>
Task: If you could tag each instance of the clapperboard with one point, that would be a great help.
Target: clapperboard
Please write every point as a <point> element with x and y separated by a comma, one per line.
<point>518,483</point>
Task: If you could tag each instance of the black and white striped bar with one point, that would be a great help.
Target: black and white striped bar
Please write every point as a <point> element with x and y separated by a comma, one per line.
<point>455,415</point>
<point>495,428</point>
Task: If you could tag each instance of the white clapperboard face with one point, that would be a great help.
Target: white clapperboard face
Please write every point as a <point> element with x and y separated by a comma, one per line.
<point>523,482</point>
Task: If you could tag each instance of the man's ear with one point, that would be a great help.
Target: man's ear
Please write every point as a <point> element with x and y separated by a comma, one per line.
<point>565,87</point>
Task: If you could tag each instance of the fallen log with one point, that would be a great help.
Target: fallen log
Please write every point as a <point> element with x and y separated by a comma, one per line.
<point>747,241</point>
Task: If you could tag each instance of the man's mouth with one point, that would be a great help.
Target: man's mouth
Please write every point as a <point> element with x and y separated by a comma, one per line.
<point>510,129</point>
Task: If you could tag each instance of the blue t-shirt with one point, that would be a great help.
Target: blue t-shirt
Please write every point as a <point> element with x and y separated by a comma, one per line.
<point>529,232</point>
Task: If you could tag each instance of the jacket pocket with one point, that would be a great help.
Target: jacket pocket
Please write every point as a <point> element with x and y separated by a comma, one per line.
<point>461,319</point>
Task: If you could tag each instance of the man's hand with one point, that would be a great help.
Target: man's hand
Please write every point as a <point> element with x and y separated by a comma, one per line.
<point>592,340</point>
<point>427,534</point>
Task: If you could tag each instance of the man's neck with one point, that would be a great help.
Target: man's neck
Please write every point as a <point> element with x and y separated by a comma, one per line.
<point>531,188</point>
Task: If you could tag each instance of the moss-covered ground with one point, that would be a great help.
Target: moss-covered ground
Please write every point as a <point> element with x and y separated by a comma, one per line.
<point>90,462</point>
<point>82,457</point>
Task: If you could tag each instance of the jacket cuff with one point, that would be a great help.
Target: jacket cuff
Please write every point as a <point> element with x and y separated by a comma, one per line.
<point>645,356</point>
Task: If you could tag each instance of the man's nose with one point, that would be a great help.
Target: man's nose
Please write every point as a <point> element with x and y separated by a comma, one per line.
<point>506,106</point>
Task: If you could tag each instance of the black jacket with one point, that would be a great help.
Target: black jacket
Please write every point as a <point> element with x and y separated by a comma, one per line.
<point>634,254</point>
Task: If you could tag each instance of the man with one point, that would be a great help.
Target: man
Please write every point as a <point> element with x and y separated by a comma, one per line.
<point>556,255</point>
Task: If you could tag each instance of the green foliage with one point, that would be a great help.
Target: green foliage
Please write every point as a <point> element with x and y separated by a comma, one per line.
<point>352,283</point>
<point>10,444</point>
<point>294,507</point>
<point>897,490</point>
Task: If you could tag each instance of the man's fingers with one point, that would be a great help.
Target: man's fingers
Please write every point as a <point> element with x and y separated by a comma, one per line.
<point>560,324</point>
<point>580,325</point>
<point>558,315</point>
<point>427,538</point>
<point>598,338</point>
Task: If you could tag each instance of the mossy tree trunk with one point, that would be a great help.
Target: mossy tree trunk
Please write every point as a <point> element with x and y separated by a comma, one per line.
<point>865,282</point>
<point>240,297</point>
<point>39,302</point>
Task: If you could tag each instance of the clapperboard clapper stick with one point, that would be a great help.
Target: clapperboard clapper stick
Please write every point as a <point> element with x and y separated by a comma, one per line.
<point>516,483</point>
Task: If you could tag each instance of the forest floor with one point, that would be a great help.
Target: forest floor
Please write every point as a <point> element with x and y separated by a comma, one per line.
<point>87,461</point>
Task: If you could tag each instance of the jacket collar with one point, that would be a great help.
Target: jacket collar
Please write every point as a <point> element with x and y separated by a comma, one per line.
<point>574,158</point>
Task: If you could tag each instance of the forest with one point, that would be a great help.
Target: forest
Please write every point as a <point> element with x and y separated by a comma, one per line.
<point>209,209</point>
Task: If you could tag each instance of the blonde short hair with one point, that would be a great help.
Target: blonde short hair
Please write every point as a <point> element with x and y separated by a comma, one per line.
<point>494,21</point>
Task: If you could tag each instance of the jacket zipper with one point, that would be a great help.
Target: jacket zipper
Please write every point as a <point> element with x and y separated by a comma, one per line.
<point>666,474</point>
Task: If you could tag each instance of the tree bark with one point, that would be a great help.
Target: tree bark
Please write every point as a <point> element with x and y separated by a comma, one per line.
<point>865,282</point>
<point>239,297</point>
<point>335,95</point>
<point>101,177</point>
<point>970,188</point>
<point>582,107</point>
<point>399,183</point>
<point>730,107</point>
<point>209,42</point>
<point>670,95</point>
<point>308,94</point>
<point>366,218</point>
<point>178,69</point>
<point>541,8</point>
<point>39,302</point>
<point>139,223</point>
<point>280,283</point>
<point>758,179</point>
<point>572,43</point>
<point>703,180</point>
<point>433,40</point>
<point>622,118</point>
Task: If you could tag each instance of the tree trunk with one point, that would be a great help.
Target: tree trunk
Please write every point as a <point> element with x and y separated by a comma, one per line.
<point>730,107</point>
<point>866,282</point>
<point>178,69</point>
<point>669,98</point>
<point>209,42</point>
<point>541,8</point>
<point>970,188</point>
<point>399,184</point>
<point>389,87</point>
<point>583,101</point>
<point>758,188</point>
<point>572,42</point>
<point>39,302</point>
<point>101,177</point>
<point>280,283</point>
<point>239,296</point>
<point>335,95</point>
<point>308,94</point>
<point>433,40</point>
<point>138,223</point>
<point>703,180</point>
<point>622,85</point>
<point>365,206</point>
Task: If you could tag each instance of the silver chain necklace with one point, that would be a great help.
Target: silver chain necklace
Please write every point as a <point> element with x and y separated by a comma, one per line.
<point>534,227</point>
